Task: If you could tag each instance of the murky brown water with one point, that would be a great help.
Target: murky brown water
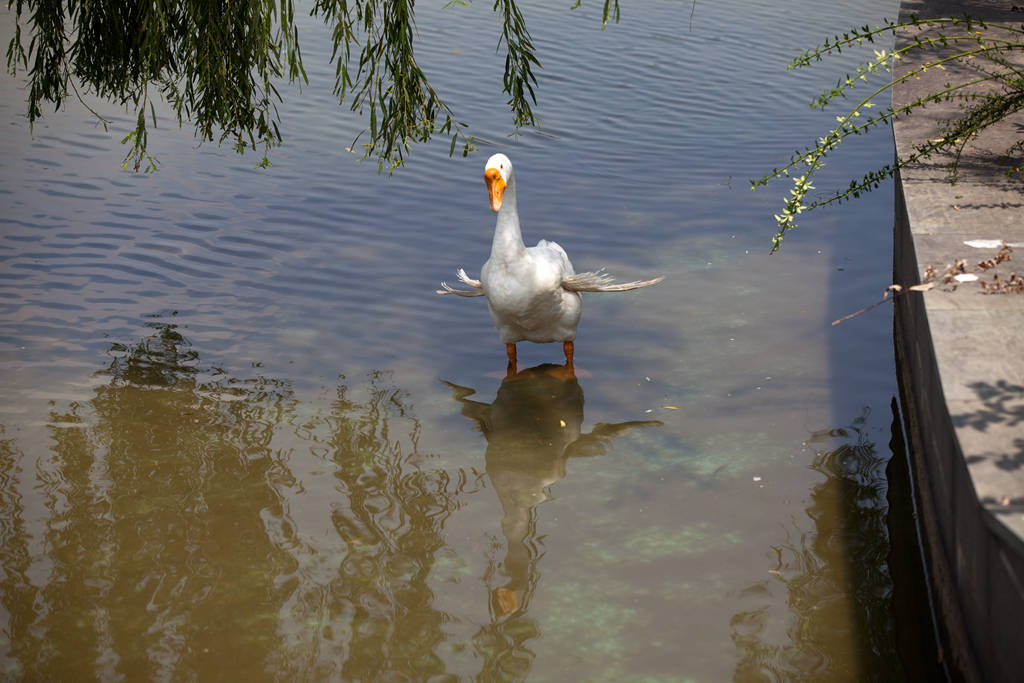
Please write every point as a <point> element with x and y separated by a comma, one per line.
<point>243,440</point>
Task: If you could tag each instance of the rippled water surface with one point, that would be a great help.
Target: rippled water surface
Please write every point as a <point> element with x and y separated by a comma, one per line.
<point>242,438</point>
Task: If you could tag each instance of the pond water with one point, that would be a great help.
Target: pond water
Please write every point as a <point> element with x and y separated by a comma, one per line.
<point>242,438</point>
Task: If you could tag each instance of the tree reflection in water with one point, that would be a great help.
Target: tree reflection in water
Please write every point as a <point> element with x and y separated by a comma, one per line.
<point>154,541</point>
<point>171,546</point>
<point>391,519</point>
<point>198,526</point>
<point>533,427</point>
<point>845,555</point>
<point>16,592</point>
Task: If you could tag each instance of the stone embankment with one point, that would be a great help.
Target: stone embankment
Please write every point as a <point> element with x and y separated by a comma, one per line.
<point>960,354</point>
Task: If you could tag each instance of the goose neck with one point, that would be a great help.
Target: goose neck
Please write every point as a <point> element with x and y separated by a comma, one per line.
<point>508,238</point>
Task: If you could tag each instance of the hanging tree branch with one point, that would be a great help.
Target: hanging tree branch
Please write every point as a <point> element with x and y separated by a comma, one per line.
<point>979,111</point>
<point>218,65</point>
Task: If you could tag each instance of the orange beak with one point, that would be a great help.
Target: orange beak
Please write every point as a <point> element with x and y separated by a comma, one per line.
<point>495,187</point>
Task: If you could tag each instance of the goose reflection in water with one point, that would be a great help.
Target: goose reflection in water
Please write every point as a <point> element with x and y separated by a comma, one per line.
<point>533,427</point>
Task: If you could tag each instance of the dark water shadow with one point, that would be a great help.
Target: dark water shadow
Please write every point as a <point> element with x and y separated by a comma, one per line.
<point>920,637</point>
<point>533,427</point>
<point>865,517</point>
<point>864,545</point>
<point>844,557</point>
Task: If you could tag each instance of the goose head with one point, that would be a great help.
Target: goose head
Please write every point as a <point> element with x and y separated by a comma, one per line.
<point>499,178</point>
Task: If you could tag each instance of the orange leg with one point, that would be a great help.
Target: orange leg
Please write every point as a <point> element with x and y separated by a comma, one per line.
<point>510,351</point>
<point>568,348</point>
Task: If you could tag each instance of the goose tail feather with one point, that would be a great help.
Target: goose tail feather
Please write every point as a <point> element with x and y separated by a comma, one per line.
<point>477,288</point>
<point>601,281</point>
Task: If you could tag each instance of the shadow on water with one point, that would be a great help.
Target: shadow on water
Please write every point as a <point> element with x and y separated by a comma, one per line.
<point>816,571</point>
<point>919,637</point>
<point>171,546</point>
<point>533,427</point>
<point>864,545</point>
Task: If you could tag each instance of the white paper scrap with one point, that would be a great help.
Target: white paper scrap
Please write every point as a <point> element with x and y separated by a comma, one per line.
<point>990,244</point>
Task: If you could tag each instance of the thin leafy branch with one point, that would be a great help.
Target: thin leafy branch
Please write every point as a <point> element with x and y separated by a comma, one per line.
<point>962,41</point>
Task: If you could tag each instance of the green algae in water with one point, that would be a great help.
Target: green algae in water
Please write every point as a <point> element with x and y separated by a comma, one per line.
<point>598,626</point>
<point>656,542</point>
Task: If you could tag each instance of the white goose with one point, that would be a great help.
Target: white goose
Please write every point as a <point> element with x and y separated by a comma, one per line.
<point>532,292</point>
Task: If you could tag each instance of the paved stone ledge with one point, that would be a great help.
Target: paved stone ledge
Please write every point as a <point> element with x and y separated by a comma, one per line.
<point>961,361</point>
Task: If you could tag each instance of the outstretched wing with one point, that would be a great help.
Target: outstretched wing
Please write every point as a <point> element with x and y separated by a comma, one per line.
<point>601,281</point>
<point>477,288</point>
